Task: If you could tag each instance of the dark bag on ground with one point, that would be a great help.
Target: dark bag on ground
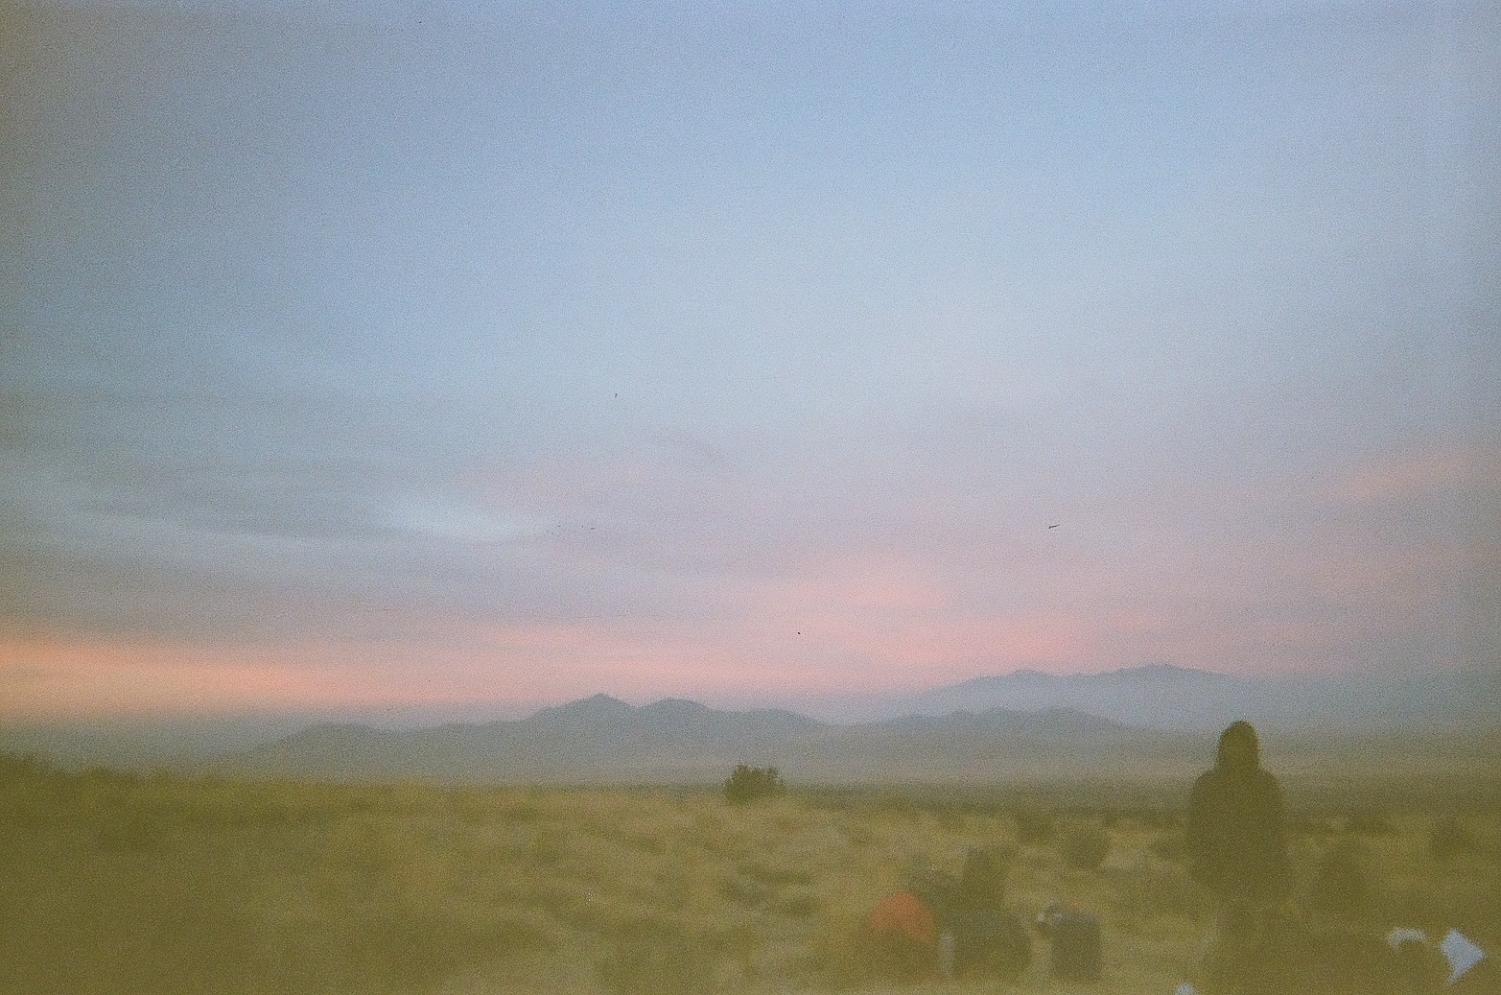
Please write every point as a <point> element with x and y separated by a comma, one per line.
<point>1075,937</point>
<point>989,941</point>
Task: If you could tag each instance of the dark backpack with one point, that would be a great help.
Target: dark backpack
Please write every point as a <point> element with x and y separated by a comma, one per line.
<point>1076,945</point>
<point>989,941</point>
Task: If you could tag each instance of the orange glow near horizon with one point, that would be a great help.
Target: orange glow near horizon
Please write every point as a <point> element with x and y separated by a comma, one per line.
<point>63,678</point>
<point>852,621</point>
<point>54,679</point>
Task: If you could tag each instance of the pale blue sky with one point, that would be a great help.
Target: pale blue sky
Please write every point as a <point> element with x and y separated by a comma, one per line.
<point>512,352</point>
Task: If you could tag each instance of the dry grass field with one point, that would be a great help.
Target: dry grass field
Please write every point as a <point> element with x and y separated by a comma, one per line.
<point>112,883</point>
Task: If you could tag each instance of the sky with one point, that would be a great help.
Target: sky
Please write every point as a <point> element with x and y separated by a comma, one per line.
<point>371,358</point>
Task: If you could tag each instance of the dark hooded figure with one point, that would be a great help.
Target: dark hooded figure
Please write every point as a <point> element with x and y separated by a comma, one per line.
<point>987,938</point>
<point>1237,846</point>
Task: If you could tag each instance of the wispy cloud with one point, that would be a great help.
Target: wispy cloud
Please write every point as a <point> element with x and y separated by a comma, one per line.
<point>763,367</point>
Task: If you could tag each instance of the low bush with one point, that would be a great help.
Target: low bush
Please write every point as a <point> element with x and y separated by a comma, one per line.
<point>747,784</point>
<point>844,955</point>
<point>1034,827</point>
<point>1369,822</point>
<point>1085,847</point>
<point>131,831</point>
<point>798,905</point>
<point>1449,838</point>
<point>1312,825</point>
<point>652,958</point>
<point>1342,884</point>
<point>1170,846</point>
<point>770,874</point>
<point>1151,891</point>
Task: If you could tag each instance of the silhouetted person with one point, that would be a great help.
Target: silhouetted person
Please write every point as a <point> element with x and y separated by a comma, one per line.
<point>985,937</point>
<point>1237,843</point>
<point>1237,846</point>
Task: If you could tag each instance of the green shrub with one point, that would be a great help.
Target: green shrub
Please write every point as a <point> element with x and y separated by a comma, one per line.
<point>770,874</point>
<point>1034,826</point>
<point>848,956</point>
<point>1154,818</point>
<point>1342,884</point>
<point>14,766</point>
<point>131,831</point>
<point>1085,848</point>
<point>1450,838</point>
<point>738,889</point>
<point>652,958</point>
<point>1369,822</point>
<point>1312,825</point>
<point>747,784</point>
<point>1170,846</point>
<point>800,904</point>
<point>110,778</point>
<point>1149,891</point>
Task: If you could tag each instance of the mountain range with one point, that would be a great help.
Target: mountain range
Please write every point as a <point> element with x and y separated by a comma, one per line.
<point>1137,721</point>
<point>1167,697</point>
<point>1013,726</point>
<point>672,740</point>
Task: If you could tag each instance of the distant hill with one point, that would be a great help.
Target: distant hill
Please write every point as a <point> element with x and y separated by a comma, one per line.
<point>604,739</point>
<point>1133,721</point>
<point>1166,697</point>
<point>1157,695</point>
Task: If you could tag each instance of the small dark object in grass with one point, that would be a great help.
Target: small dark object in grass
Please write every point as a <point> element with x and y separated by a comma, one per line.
<point>1086,848</point>
<point>656,959</point>
<point>1170,846</point>
<point>1449,838</point>
<point>747,784</point>
<point>1369,822</point>
<point>1343,883</point>
<point>1034,826</point>
<point>1075,937</point>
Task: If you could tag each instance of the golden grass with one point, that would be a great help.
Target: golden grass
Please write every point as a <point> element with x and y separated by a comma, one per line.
<point>113,884</point>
